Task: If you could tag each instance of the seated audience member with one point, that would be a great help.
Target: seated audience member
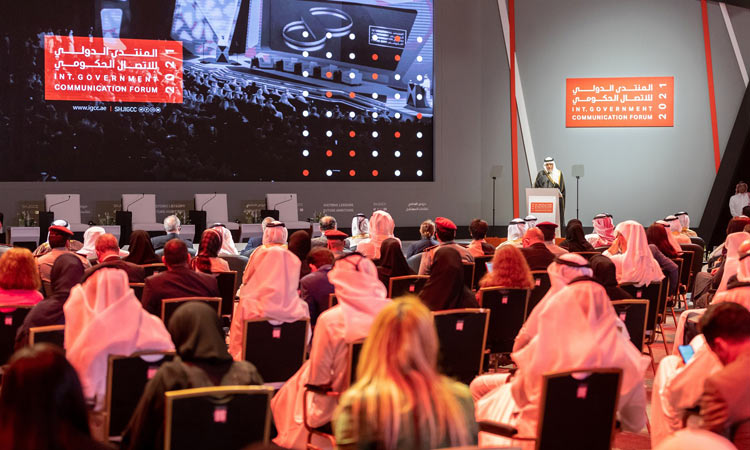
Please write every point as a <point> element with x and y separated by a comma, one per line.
<point>446,288</point>
<point>604,231</point>
<point>172,227</point>
<point>695,439</point>
<point>516,229</point>
<point>103,317</point>
<point>255,242</point>
<point>202,361</point>
<point>705,281</point>
<point>663,252</point>
<point>479,246</point>
<point>738,286</point>
<point>141,250</point>
<point>575,240</point>
<point>562,271</point>
<point>670,237</point>
<point>208,260</point>
<point>381,228</point>
<point>509,269</point>
<point>19,278</point>
<point>227,241</point>
<point>537,254</point>
<point>360,230</point>
<point>530,221</point>
<point>729,267</point>
<point>725,403</point>
<point>446,233</point>
<point>739,200</point>
<point>633,258</point>
<point>177,281</point>
<point>336,242</point>
<point>605,273</point>
<point>59,238</point>
<point>548,230</point>
<point>88,250</point>
<point>327,223</point>
<point>580,323</point>
<point>392,262</point>
<point>675,228</point>
<point>361,296</point>
<point>275,234</point>
<point>66,273</point>
<point>300,245</point>
<point>44,248</point>
<point>108,255</point>
<point>684,219</point>
<point>400,400</point>
<point>270,294</point>
<point>42,404</point>
<point>426,233</point>
<point>315,287</point>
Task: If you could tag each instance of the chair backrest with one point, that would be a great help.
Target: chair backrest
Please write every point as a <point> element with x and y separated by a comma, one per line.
<point>462,334</point>
<point>170,305</point>
<point>697,240</point>
<point>277,351</point>
<point>587,255</point>
<point>236,263</point>
<point>480,269</point>
<point>507,315</point>
<point>687,267</point>
<point>11,319</point>
<point>225,417</point>
<point>652,293</point>
<point>138,289</point>
<point>332,301</point>
<point>696,263</point>
<point>126,378</point>
<point>633,313</point>
<point>577,410</point>
<point>226,282</point>
<point>50,334</point>
<point>407,284</point>
<point>355,349</point>
<point>541,286</point>
<point>150,269</point>
<point>469,274</point>
<point>414,261</point>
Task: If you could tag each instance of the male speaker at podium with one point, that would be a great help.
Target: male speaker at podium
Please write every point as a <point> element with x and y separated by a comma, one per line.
<point>551,177</point>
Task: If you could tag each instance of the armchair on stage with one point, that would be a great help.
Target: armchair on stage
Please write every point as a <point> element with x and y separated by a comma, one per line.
<point>210,209</point>
<point>544,203</point>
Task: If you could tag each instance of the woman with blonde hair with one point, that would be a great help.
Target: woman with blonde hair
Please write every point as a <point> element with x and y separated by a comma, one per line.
<point>399,388</point>
<point>509,269</point>
<point>19,278</point>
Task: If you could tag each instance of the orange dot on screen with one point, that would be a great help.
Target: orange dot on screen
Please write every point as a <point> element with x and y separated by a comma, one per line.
<point>419,115</point>
<point>397,134</point>
<point>374,76</point>
<point>397,38</point>
<point>305,172</point>
<point>329,153</point>
<point>352,173</point>
<point>329,94</point>
<point>397,57</point>
<point>352,133</point>
<point>352,153</point>
<point>352,94</point>
<point>374,173</point>
<point>374,56</point>
<point>329,75</point>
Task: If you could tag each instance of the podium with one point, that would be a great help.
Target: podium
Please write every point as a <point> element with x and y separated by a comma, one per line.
<point>544,203</point>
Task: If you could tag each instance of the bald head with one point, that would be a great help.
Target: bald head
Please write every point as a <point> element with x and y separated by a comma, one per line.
<point>532,236</point>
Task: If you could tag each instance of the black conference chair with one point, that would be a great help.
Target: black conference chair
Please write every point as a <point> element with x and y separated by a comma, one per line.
<point>587,255</point>
<point>236,263</point>
<point>407,284</point>
<point>541,286</point>
<point>507,315</point>
<point>226,282</point>
<point>577,411</point>
<point>138,289</point>
<point>652,293</point>
<point>151,269</point>
<point>634,313</point>
<point>462,334</point>
<point>480,269</point>
<point>277,351</point>
<point>695,266</point>
<point>11,319</point>
<point>170,305</point>
<point>127,376</point>
<point>226,417</point>
<point>469,274</point>
<point>50,334</point>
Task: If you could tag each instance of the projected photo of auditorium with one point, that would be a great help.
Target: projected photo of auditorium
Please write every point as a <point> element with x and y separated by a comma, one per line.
<point>219,90</point>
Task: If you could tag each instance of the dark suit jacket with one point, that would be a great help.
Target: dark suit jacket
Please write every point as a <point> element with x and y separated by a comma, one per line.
<point>136,274</point>
<point>538,256</point>
<point>725,404</point>
<point>177,282</point>
<point>159,241</point>
<point>314,289</point>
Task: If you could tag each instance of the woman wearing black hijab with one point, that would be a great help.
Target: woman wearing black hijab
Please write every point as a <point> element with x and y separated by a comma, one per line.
<point>141,250</point>
<point>606,273</point>
<point>202,360</point>
<point>67,271</point>
<point>575,239</point>
<point>446,289</point>
<point>208,260</point>
<point>392,261</point>
<point>300,244</point>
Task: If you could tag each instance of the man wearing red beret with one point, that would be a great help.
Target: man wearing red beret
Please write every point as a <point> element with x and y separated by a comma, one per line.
<point>336,242</point>
<point>59,242</point>
<point>445,233</point>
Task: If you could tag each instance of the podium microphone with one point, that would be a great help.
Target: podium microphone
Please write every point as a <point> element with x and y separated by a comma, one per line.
<point>127,208</point>
<point>49,208</point>
<point>291,197</point>
<point>207,201</point>
<point>578,173</point>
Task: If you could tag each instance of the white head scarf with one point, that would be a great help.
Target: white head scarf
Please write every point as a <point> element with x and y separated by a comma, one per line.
<point>89,241</point>
<point>516,229</point>
<point>604,228</point>
<point>104,317</point>
<point>684,219</point>
<point>732,245</point>
<point>227,242</point>
<point>360,226</point>
<point>359,292</point>
<point>275,233</point>
<point>637,265</point>
<point>381,228</point>
<point>530,221</point>
<point>580,324</point>
<point>555,172</point>
<point>674,224</point>
<point>670,236</point>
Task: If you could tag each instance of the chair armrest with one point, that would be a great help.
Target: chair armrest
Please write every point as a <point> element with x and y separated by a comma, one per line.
<point>497,428</point>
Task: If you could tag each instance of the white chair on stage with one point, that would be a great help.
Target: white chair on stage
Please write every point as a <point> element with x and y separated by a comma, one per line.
<point>215,206</point>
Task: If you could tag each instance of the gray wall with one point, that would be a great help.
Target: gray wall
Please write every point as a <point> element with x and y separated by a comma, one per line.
<point>640,173</point>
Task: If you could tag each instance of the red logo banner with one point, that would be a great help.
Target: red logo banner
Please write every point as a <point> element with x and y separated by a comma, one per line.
<point>542,207</point>
<point>112,70</point>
